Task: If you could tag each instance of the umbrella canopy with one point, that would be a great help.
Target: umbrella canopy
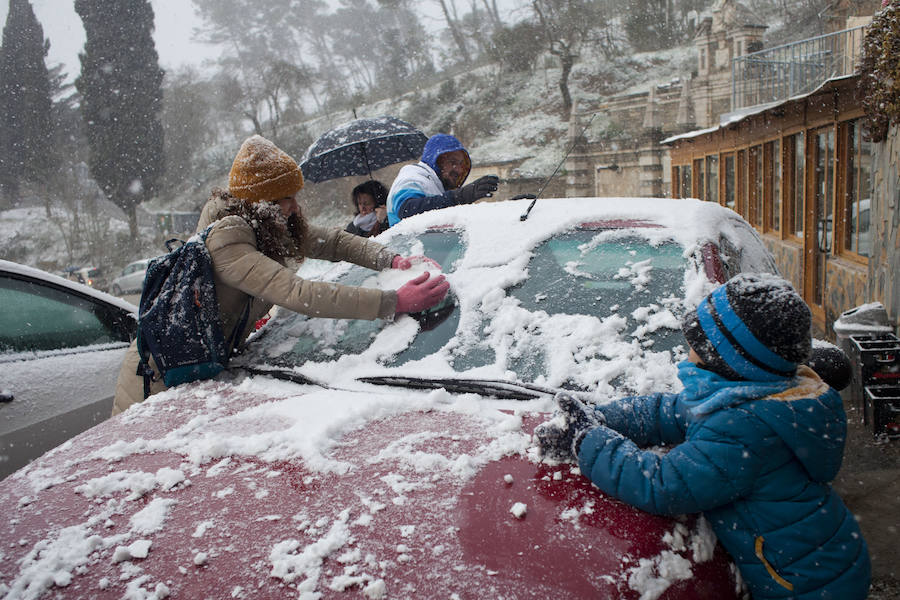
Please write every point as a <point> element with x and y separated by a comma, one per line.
<point>360,147</point>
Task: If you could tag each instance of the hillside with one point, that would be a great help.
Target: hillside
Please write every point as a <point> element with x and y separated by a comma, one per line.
<point>498,116</point>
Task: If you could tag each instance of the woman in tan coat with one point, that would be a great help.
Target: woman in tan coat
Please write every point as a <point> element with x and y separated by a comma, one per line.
<point>257,228</point>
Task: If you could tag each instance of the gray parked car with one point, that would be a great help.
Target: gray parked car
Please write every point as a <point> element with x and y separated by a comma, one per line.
<point>131,280</point>
<point>61,346</point>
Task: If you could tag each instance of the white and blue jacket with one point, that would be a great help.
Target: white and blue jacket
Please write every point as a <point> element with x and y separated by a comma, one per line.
<point>418,188</point>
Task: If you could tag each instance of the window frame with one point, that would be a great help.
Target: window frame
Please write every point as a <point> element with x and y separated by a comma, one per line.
<point>793,199</point>
<point>849,159</point>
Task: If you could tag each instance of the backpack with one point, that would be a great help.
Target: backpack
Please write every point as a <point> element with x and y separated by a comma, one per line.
<point>178,317</point>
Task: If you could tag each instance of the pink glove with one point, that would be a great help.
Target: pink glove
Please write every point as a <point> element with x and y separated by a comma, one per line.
<point>405,262</point>
<point>420,293</point>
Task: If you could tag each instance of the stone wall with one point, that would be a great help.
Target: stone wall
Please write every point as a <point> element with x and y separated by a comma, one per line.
<point>789,258</point>
<point>845,288</point>
<point>884,264</point>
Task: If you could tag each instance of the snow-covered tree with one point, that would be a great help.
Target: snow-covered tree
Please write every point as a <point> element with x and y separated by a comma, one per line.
<point>120,86</point>
<point>26,133</point>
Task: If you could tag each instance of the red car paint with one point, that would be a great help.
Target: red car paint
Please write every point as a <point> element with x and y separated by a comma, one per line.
<point>447,538</point>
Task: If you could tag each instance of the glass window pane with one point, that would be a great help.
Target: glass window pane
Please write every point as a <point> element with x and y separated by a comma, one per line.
<point>712,178</point>
<point>686,191</point>
<point>699,172</point>
<point>37,317</point>
<point>865,195</point>
<point>798,182</point>
<point>729,181</point>
<point>776,185</point>
<point>756,183</point>
<point>858,237</point>
<point>302,338</point>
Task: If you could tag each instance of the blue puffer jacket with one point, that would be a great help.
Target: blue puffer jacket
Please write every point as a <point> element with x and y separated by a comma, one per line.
<point>756,458</point>
<point>418,187</point>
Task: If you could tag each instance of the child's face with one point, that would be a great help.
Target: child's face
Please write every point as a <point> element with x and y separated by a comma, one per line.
<point>694,357</point>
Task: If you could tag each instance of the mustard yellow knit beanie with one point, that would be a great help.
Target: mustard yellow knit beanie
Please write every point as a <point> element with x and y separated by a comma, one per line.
<point>261,171</point>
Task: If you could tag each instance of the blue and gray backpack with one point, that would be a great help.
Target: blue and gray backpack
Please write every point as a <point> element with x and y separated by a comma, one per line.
<point>178,318</point>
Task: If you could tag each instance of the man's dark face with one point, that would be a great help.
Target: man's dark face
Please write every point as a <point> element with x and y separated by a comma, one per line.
<point>452,168</point>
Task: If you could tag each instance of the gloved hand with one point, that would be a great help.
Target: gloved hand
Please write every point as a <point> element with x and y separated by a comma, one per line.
<point>483,187</point>
<point>560,437</point>
<point>405,262</point>
<point>420,293</point>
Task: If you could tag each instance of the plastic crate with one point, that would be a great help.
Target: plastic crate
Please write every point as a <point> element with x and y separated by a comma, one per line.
<point>876,361</point>
<point>882,409</point>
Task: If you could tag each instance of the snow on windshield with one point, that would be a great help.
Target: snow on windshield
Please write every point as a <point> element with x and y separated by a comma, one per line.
<point>621,336</point>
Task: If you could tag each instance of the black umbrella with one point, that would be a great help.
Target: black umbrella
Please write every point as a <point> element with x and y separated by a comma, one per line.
<point>360,147</point>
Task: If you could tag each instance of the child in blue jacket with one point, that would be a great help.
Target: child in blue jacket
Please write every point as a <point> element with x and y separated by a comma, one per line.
<point>756,436</point>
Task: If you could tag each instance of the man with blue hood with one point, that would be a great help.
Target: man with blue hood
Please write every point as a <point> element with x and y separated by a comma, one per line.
<point>754,439</point>
<point>436,180</point>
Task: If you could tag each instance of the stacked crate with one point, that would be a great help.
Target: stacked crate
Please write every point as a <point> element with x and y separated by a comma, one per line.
<point>876,381</point>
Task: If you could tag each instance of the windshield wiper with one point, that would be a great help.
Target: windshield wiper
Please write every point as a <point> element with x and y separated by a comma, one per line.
<point>485,387</point>
<point>283,374</point>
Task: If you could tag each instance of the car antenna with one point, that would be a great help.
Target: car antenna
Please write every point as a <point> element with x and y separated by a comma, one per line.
<point>553,174</point>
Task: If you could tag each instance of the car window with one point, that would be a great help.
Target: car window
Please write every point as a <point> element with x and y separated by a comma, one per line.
<point>38,317</point>
<point>575,274</point>
<point>623,285</point>
<point>300,338</point>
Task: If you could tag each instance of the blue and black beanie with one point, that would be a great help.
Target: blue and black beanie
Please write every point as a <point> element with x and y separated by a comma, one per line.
<point>754,327</point>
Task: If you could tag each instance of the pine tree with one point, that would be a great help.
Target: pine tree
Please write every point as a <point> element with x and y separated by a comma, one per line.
<point>121,90</point>
<point>26,133</point>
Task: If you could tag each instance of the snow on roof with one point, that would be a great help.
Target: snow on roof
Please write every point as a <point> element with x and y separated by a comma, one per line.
<point>734,117</point>
<point>497,235</point>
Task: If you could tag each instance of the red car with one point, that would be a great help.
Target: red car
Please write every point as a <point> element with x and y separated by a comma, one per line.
<point>395,459</point>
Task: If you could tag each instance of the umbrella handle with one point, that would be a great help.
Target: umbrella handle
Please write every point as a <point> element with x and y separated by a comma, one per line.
<point>366,158</point>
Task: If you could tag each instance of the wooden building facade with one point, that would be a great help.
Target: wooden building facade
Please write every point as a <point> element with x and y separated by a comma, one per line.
<point>802,173</point>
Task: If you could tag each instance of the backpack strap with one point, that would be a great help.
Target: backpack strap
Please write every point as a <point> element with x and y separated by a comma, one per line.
<point>232,341</point>
<point>143,368</point>
<point>239,327</point>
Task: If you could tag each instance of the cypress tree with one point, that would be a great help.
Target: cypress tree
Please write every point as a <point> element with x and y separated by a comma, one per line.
<point>26,133</point>
<point>121,91</point>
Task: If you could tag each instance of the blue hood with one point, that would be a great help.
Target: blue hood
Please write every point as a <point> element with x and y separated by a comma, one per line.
<point>441,143</point>
<point>801,410</point>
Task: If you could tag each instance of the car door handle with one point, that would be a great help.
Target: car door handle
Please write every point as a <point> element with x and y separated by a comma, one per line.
<point>6,396</point>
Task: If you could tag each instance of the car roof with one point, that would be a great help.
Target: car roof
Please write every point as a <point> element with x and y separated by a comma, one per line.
<point>84,290</point>
<point>496,233</point>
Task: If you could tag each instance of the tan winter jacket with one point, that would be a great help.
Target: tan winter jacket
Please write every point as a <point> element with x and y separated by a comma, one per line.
<point>244,273</point>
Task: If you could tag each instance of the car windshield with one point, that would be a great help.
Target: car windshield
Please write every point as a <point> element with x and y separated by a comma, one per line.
<point>595,307</point>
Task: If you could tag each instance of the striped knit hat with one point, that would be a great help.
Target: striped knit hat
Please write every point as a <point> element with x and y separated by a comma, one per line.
<point>263,172</point>
<point>754,327</point>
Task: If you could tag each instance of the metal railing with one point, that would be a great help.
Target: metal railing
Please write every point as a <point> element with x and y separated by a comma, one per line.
<point>792,69</point>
